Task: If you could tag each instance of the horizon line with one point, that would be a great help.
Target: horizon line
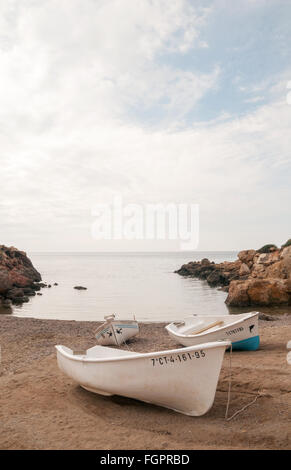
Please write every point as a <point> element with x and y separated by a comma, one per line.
<point>136,252</point>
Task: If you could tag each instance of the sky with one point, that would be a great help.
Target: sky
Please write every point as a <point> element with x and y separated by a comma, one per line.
<point>153,101</point>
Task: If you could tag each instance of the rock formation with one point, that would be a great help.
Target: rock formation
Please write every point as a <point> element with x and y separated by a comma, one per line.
<point>257,278</point>
<point>18,277</point>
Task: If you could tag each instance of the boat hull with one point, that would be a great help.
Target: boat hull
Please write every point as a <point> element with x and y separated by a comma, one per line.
<point>242,330</point>
<point>183,380</point>
<point>248,344</point>
<point>116,332</point>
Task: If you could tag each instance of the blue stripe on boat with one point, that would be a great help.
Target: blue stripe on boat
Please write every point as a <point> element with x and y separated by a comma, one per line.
<point>249,344</point>
<point>125,326</point>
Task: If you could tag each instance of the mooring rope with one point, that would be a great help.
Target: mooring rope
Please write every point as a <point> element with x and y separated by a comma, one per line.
<point>229,393</point>
<point>244,407</point>
<point>229,383</point>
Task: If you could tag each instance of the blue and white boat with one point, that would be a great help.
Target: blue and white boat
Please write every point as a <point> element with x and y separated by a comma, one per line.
<point>241,329</point>
<point>115,332</point>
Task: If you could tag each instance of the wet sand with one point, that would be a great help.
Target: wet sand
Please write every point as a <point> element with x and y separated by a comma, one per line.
<point>41,408</point>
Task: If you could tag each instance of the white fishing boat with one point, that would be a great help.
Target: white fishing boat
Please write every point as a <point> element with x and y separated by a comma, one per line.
<point>115,332</point>
<point>242,330</point>
<point>183,380</point>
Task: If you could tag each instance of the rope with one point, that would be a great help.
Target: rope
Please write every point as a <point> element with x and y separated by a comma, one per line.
<point>229,390</point>
<point>244,407</point>
<point>229,383</point>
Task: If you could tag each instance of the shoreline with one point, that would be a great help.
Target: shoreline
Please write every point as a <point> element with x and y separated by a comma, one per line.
<point>41,408</point>
<point>279,317</point>
<point>274,311</point>
<point>97,322</point>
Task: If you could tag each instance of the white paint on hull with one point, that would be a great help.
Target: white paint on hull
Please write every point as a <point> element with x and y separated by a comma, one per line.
<point>183,380</point>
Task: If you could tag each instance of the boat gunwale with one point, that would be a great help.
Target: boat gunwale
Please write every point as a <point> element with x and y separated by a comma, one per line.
<point>204,333</point>
<point>83,358</point>
<point>107,324</point>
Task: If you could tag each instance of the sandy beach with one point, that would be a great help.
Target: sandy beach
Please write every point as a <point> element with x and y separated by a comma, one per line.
<point>41,408</point>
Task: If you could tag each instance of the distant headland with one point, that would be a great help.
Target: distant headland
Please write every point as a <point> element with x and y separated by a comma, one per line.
<point>18,277</point>
<point>257,278</point>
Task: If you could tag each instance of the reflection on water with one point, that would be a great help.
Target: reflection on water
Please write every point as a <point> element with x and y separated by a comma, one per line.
<point>143,284</point>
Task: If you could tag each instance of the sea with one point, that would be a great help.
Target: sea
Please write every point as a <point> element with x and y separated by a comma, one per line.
<point>143,285</point>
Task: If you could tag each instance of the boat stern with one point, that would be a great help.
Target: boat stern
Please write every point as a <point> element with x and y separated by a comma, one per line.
<point>248,344</point>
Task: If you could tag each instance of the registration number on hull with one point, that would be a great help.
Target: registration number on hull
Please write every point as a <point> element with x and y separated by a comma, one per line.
<point>178,358</point>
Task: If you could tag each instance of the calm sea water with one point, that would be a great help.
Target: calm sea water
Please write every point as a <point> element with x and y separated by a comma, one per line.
<point>143,284</point>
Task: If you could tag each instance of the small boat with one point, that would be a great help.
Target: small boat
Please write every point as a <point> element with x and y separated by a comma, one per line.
<point>183,380</point>
<point>115,332</point>
<point>241,330</point>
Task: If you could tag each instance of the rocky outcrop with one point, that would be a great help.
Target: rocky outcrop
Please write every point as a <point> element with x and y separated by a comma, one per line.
<point>256,278</point>
<point>18,277</point>
<point>215,274</point>
<point>262,292</point>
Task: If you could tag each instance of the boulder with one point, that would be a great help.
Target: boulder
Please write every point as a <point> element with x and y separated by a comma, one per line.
<point>205,262</point>
<point>204,271</point>
<point>16,269</point>
<point>14,293</point>
<point>244,270</point>
<point>35,286</point>
<point>6,303</point>
<point>29,291</point>
<point>20,300</point>
<point>261,292</point>
<point>238,294</point>
<point>274,271</point>
<point>5,280</point>
<point>186,269</point>
<point>286,261</point>
<point>17,275</point>
<point>230,265</point>
<point>196,269</point>
<point>268,292</point>
<point>246,256</point>
<point>258,271</point>
<point>216,278</point>
<point>269,258</point>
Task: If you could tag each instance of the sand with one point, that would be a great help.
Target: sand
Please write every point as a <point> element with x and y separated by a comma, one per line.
<point>41,408</point>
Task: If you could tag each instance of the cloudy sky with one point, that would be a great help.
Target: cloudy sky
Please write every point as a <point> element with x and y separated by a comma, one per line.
<point>157,101</point>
